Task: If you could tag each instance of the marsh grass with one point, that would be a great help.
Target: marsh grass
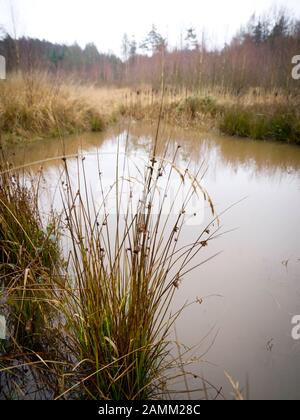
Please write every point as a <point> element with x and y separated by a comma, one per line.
<point>36,105</point>
<point>29,256</point>
<point>97,326</point>
<point>188,110</point>
<point>254,114</point>
<point>194,105</point>
<point>126,267</point>
<point>279,122</point>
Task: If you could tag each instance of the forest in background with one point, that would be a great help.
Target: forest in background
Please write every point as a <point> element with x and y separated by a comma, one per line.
<point>259,56</point>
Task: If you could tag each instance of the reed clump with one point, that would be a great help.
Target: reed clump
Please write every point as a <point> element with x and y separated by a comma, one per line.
<point>126,267</point>
<point>103,316</point>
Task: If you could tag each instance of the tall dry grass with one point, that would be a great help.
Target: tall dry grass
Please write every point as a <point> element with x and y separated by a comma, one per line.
<point>37,105</point>
<point>255,113</point>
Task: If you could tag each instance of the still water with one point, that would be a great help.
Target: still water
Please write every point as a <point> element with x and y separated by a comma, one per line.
<point>251,291</point>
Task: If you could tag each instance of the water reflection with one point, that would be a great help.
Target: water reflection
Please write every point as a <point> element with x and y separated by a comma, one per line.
<point>259,293</point>
<point>261,158</point>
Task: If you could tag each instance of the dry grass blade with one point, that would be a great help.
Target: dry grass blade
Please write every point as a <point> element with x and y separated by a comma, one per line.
<point>236,388</point>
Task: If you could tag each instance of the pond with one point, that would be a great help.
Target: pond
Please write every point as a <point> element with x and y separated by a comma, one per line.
<point>247,295</point>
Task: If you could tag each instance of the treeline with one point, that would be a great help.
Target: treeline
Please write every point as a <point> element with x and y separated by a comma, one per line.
<point>259,56</point>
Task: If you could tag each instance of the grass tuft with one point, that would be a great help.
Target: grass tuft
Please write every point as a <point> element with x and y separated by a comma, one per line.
<point>97,326</point>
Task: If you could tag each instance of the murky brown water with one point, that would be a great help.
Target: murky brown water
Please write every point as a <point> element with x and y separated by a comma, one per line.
<point>254,294</point>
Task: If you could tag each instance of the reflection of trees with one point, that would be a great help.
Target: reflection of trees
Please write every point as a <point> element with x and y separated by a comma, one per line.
<point>263,158</point>
<point>50,148</point>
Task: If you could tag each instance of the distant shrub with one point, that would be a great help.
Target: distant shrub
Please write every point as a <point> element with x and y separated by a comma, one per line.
<point>97,123</point>
<point>194,105</point>
<point>236,123</point>
<point>262,122</point>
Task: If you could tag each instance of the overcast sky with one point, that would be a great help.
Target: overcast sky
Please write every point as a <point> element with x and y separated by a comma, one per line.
<point>105,21</point>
